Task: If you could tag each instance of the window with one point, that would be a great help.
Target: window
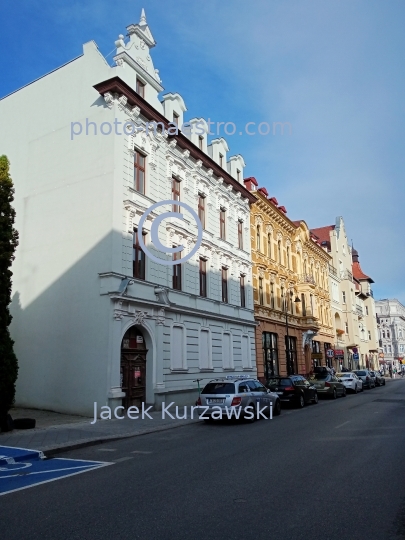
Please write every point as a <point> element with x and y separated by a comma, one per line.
<point>388,335</point>
<point>177,271</point>
<point>176,119</point>
<point>200,142</point>
<point>219,388</point>
<point>369,335</point>
<point>261,291</point>
<point>138,257</point>
<point>258,234</point>
<point>203,278</point>
<point>240,234</point>
<point>347,328</point>
<point>227,362</point>
<point>269,240</point>
<point>221,160</point>
<point>205,349</point>
<point>288,257</point>
<point>291,354</point>
<point>401,348</point>
<point>270,355</point>
<point>178,360</point>
<point>344,297</point>
<point>139,172</point>
<point>272,295</point>
<point>383,334</point>
<point>140,88</point>
<point>224,284</point>
<point>242,291</point>
<point>279,251</point>
<point>366,310</point>
<point>245,350</point>
<point>304,309</point>
<point>385,348</point>
<point>389,349</point>
<point>238,175</point>
<point>175,193</point>
<point>201,210</point>
<point>222,218</point>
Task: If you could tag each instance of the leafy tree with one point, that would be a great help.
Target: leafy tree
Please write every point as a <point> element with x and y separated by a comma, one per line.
<point>8,245</point>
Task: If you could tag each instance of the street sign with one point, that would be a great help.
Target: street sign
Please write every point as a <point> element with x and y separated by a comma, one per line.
<point>355,356</point>
<point>330,353</point>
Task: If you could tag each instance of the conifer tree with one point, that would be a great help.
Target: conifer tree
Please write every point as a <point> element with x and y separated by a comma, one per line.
<point>8,245</point>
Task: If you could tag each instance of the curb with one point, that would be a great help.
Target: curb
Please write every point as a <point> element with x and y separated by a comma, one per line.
<point>18,454</point>
<point>57,449</point>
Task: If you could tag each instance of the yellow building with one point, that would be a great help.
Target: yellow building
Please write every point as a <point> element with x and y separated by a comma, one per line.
<point>291,291</point>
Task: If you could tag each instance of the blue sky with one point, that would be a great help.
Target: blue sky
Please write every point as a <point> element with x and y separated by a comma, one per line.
<point>334,69</point>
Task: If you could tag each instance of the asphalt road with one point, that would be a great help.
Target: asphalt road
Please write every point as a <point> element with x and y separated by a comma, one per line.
<point>335,470</point>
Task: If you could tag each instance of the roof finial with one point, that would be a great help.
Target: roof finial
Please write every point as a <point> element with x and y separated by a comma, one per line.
<point>142,20</point>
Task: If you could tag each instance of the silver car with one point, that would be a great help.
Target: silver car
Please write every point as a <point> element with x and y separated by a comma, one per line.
<point>237,397</point>
<point>351,381</point>
<point>366,377</point>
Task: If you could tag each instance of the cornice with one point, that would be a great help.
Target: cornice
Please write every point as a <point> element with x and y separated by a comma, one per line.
<point>116,85</point>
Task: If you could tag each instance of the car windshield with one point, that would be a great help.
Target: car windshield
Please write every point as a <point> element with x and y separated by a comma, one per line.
<point>279,382</point>
<point>219,388</point>
<point>361,373</point>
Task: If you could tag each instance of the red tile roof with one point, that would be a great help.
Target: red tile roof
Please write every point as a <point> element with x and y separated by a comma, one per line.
<point>359,274</point>
<point>322,233</point>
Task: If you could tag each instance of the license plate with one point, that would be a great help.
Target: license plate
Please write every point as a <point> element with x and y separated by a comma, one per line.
<point>216,400</point>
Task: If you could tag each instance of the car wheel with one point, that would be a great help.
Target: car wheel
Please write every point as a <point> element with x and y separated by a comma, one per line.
<point>355,389</point>
<point>315,399</point>
<point>384,383</point>
<point>277,408</point>
<point>334,396</point>
<point>301,401</point>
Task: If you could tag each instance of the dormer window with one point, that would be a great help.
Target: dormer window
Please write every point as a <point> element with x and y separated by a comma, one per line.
<point>176,119</point>
<point>140,88</point>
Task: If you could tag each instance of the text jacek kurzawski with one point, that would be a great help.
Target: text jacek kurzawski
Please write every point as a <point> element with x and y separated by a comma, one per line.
<point>181,413</point>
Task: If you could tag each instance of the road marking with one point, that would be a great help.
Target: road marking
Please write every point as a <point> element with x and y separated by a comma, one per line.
<point>344,423</point>
<point>140,452</point>
<point>119,460</point>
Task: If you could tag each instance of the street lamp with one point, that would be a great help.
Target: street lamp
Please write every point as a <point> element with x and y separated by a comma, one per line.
<point>290,366</point>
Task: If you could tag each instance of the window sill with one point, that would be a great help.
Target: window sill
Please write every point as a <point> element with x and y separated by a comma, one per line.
<point>206,370</point>
<point>179,370</point>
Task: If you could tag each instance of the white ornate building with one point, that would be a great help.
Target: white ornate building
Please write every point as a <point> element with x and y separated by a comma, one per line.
<point>391,327</point>
<point>95,320</point>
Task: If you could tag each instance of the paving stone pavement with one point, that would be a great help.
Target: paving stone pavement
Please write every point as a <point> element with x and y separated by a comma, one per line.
<point>56,431</point>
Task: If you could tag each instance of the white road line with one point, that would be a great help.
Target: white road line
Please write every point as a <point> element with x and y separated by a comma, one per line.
<point>123,459</point>
<point>344,423</point>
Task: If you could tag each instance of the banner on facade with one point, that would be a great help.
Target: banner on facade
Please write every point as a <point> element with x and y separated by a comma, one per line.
<point>339,354</point>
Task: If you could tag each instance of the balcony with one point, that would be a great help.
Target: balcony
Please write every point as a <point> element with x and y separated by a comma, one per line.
<point>307,278</point>
<point>359,311</point>
<point>333,270</point>
<point>345,274</point>
<point>370,293</point>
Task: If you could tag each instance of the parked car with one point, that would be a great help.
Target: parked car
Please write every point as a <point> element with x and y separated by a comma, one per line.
<point>365,376</point>
<point>328,385</point>
<point>351,381</point>
<point>378,378</point>
<point>294,389</point>
<point>236,397</point>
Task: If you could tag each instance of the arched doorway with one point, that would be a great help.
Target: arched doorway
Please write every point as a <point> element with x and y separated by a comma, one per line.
<point>133,368</point>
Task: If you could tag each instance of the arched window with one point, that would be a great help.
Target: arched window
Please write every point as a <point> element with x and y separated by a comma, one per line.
<point>279,251</point>
<point>269,240</point>
<point>258,238</point>
<point>288,257</point>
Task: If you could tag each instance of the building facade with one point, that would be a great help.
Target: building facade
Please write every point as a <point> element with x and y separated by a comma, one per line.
<point>96,316</point>
<point>352,304</point>
<point>291,290</point>
<point>391,328</point>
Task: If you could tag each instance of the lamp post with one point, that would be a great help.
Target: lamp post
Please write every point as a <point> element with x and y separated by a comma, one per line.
<point>290,366</point>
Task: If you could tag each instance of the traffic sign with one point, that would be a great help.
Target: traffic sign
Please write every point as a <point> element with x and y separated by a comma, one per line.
<point>330,353</point>
<point>355,356</point>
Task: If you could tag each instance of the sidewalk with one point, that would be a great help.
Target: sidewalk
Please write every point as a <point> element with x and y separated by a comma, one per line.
<point>58,432</point>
